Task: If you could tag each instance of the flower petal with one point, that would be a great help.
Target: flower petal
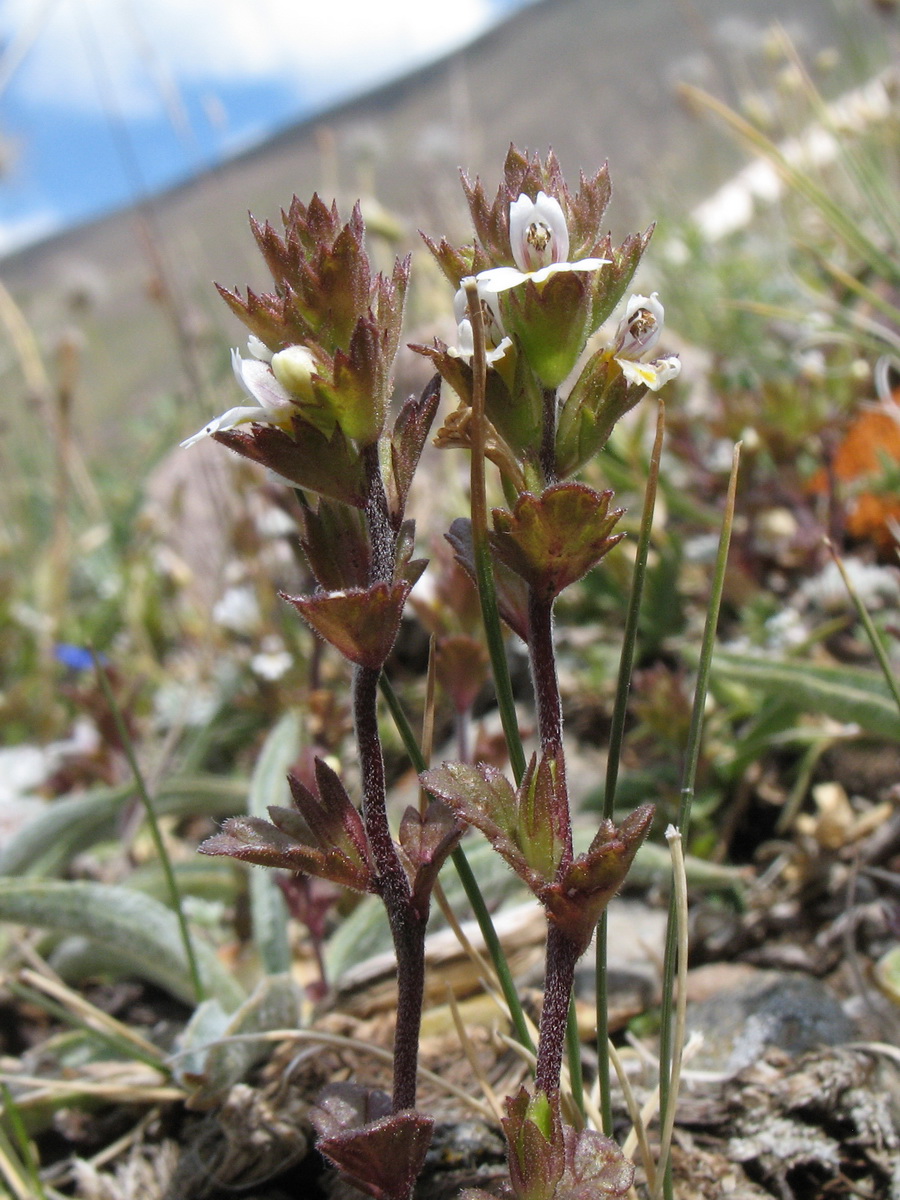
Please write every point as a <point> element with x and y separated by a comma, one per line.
<point>228,420</point>
<point>641,327</point>
<point>260,384</point>
<point>652,375</point>
<point>258,348</point>
<point>537,232</point>
<point>500,279</point>
<point>583,264</point>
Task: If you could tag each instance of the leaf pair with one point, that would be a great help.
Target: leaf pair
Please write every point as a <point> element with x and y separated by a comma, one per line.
<point>552,1161</point>
<point>324,835</point>
<point>527,826</point>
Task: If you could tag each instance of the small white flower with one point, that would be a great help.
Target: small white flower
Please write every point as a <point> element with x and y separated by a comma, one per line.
<point>539,241</point>
<point>237,610</point>
<point>537,232</point>
<point>638,333</point>
<point>273,404</point>
<point>641,327</point>
<point>272,661</point>
<point>495,339</point>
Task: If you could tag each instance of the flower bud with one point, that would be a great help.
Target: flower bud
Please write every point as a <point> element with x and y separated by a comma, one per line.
<point>294,369</point>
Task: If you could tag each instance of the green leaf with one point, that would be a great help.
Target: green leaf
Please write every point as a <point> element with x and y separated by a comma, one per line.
<point>46,844</point>
<point>206,1065</point>
<point>844,694</point>
<point>141,933</point>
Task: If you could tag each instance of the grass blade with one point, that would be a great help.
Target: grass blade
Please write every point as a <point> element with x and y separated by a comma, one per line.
<point>165,860</point>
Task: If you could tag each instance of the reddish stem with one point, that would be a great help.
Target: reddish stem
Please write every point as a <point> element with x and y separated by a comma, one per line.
<point>562,955</point>
<point>407,925</point>
<point>549,709</point>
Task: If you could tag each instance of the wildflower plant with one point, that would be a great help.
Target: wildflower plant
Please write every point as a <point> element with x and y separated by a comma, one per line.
<point>538,386</point>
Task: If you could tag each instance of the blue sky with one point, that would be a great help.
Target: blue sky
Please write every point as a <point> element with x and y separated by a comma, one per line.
<point>102,101</point>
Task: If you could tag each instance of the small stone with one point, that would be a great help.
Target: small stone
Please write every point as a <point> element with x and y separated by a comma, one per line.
<point>791,1011</point>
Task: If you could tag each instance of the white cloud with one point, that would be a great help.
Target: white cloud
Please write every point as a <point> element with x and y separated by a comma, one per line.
<point>320,49</point>
<point>15,233</point>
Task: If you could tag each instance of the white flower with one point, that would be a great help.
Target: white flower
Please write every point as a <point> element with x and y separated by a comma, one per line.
<point>272,661</point>
<point>273,403</point>
<point>539,241</point>
<point>537,232</point>
<point>641,327</point>
<point>638,333</point>
<point>237,610</point>
<point>495,339</point>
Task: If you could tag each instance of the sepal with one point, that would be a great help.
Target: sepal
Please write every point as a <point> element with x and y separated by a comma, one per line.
<point>609,284</point>
<point>330,466</point>
<point>360,622</point>
<point>408,439</point>
<point>323,835</point>
<point>575,902</point>
<point>336,544</point>
<point>601,396</point>
<point>534,1137</point>
<point>554,539</point>
<point>525,825</point>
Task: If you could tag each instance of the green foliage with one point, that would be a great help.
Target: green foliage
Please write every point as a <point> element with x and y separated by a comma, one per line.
<point>846,694</point>
<point>134,932</point>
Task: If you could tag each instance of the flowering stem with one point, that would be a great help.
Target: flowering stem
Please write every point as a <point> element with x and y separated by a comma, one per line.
<point>378,519</point>
<point>548,437</point>
<point>549,708</point>
<point>484,574</point>
<point>562,955</point>
<point>407,927</point>
<point>470,884</point>
<point>407,924</point>
<point>558,1029</point>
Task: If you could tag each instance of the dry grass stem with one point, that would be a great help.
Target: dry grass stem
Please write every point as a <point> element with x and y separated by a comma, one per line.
<point>469,1050</point>
<point>638,1129</point>
<point>341,1042</point>
<point>679,882</point>
<point>82,1008</point>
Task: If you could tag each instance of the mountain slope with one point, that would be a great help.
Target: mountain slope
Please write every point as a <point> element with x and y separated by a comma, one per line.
<point>593,79</point>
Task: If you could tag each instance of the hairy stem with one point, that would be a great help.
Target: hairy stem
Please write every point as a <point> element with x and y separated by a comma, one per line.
<point>562,955</point>
<point>548,437</point>
<point>382,537</point>
<point>406,922</point>
<point>549,709</point>
<point>407,926</point>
